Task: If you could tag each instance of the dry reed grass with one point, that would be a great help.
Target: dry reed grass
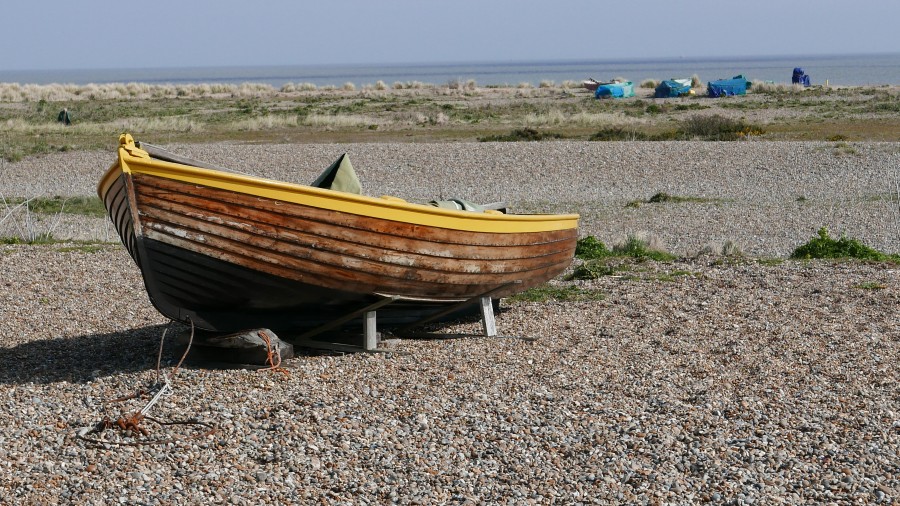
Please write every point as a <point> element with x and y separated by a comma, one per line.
<point>349,120</point>
<point>775,88</point>
<point>14,92</point>
<point>556,117</point>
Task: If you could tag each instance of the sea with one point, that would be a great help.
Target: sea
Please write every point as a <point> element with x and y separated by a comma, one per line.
<point>836,70</point>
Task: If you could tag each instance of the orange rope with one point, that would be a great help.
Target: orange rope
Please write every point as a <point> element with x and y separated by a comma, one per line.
<point>273,358</point>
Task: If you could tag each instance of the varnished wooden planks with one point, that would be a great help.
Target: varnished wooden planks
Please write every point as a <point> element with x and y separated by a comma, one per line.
<point>340,251</point>
<point>228,260</point>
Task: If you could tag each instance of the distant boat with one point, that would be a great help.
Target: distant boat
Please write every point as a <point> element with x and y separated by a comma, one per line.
<point>618,89</point>
<point>228,252</point>
<point>737,85</point>
<point>670,88</point>
<point>591,84</point>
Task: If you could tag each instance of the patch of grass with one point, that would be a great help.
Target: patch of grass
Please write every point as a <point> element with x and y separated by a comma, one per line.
<point>641,249</point>
<point>597,256</point>
<point>87,247</point>
<point>521,135</point>
<point>548,292</point>
<point>718,128</point>
<point>43,238</point>
<point>665,198</point>
<point>670,277</point>
<point>843,148</point>
<point>622,134</point>
<point>592,269</point>
<point>618,134</point>
<point>728,248</point>
<point>690,107</point>
<point>776,88</point>
<point>870,285</point>
<point>84,206</point>
<point>824,246</point>
<point>591,248</point>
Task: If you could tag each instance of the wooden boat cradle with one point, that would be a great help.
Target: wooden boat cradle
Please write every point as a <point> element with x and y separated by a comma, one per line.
<point>370,339</point>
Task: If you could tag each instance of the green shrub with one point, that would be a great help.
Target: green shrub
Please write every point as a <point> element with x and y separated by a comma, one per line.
<point>590,248</point>
<point>824,246</point>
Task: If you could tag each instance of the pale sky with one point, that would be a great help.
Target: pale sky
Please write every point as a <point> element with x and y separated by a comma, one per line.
<point>90,34</point>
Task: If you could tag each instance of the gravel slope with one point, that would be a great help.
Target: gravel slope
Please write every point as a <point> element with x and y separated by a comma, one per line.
<point>701,380</point>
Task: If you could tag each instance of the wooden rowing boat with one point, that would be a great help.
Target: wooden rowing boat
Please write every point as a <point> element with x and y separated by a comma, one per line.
<point>228,251</point>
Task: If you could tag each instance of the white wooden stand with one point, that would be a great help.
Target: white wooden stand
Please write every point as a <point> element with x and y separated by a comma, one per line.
<point>370,337</point>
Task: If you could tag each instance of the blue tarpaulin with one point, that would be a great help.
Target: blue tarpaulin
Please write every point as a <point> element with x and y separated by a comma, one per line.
<point>615,90</point>
<point>673,88</point>
<point>800,77</point>
<point>737,85</point>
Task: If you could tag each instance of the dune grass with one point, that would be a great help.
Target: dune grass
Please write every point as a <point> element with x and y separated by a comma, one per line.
<point>458,110</point>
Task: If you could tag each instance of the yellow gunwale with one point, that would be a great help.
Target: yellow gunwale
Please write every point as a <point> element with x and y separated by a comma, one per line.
<point>134,160</point>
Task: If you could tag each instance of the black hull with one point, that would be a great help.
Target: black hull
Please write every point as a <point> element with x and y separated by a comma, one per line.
<point>220,296</point>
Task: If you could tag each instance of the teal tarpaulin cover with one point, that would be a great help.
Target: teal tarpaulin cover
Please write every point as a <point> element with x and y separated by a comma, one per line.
<point>737,85</point>
<point>673,88</point>
<point>615,90</point>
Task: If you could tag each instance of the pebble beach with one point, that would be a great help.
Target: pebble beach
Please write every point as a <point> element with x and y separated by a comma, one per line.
<point>727,380</point>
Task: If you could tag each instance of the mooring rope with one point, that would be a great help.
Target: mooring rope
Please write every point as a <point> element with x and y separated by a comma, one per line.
<point>132,424</point>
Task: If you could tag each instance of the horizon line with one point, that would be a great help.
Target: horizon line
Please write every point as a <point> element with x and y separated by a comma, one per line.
<point>561,61</point>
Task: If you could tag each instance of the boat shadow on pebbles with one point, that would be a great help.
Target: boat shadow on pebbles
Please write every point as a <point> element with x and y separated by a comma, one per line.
<point>82,359</point>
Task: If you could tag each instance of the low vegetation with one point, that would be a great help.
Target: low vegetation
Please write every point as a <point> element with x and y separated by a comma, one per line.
<point>596,256</point>
<point>589,248</point>
<point>303,112</point>
<point>548,292</point>
<point>598,260</point>
<point>85,206</point>
<point>521,134</point>
<point>825,247</point>
<point>35,219</point>
<point>704,128</point>
<point>666,198</point>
